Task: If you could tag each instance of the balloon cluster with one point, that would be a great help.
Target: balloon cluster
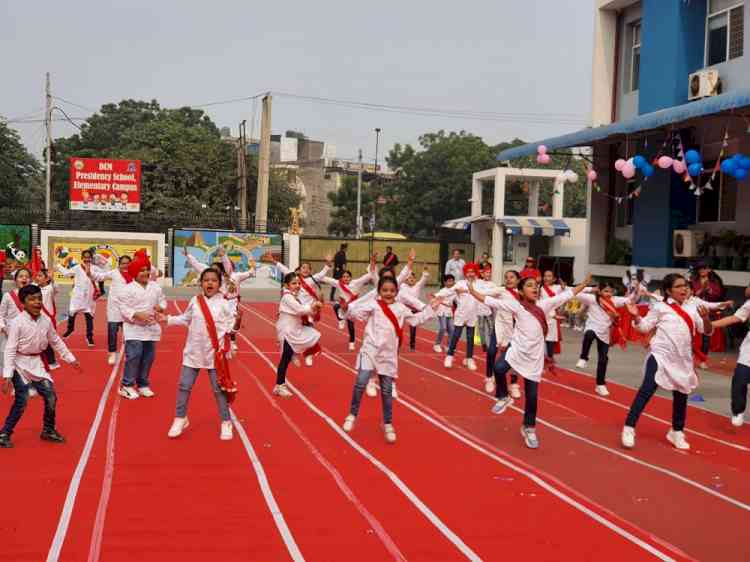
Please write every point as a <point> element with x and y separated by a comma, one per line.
<point>541,155</point>
<point>569,176</point>
<point>628,167</point>
<point>738,166</point>
<point>694,163</point>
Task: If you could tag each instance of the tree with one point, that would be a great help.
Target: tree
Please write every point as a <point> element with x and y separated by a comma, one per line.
<point>21,179</point>
<point>344,201</point>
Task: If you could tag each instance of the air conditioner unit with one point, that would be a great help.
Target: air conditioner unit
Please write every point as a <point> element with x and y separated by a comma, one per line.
<point>703,84</point>
<point>687,243</point>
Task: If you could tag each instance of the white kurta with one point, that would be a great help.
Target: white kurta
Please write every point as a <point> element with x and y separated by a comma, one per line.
<point>355,286</point>
<point>552,331</point>
<point>136,298</point>
<point>230,291</point>
<point>526,351</point>
<point>455,268</point>
<point>313,282</point>
<point>743,313</point>
<point>467,309</point>
<point>379,351</point>
<point>116,287</point>
<point>597,319</point>
<point>445,308</point>
<point>27,339</point>
<point>82,298</point>
<point>8,309</point>
<point>49,292</point>
<point>289,326</point>
<point>487,288</point>
<point>672,345</point>
<point>504,321</point>
<point>411,294</point>
<point>199,350</point>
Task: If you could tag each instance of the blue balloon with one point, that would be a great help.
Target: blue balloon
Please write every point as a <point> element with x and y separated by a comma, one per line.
<point>729,166</point>
<point>639,161</point>
<point>692,157</point>
<point>648,170</point>
<point>695,169</point>
<point>738,157</point>
<point>745,163</point>
<point>741,174</point>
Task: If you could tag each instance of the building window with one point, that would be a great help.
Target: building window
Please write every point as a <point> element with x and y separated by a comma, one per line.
<point>720,203</point>
<point>635,56</point>
<point>724,31</point>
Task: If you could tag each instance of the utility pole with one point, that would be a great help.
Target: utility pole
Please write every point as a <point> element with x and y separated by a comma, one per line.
<point>48,124</point>
<point>242,174</point>
<point>377,142</point>
<point>359,197</point>
<point>264,163</point>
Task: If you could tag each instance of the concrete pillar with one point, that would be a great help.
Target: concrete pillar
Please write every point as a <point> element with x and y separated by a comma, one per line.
<point>602,78</point>
<point>476,197</point>
<point>498,249</point>
<point>558,198</point>
<point>534,188</point>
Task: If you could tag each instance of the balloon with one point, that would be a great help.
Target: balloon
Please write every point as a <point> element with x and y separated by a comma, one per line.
<point>592,175</point>
<point>738,157</point>
<point>543,158</point>
<point>619,163</point>
<point>729,166</point>
<point>665,162</point>
<point>692,157</point>
<point>679,166</point>
<point>695,169</point>
<point>541,149</point>
<point>648,170</point>
<point>745,163</point>
<point>741,174</point>
<point>639,161</point>
<point>571,176</point>
<point>628,170</point>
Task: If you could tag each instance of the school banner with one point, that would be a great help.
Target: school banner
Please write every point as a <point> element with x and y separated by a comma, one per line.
<point>15,248</point>
<point>243,248</point>
<point>61,247</point>
<point>99,184</point>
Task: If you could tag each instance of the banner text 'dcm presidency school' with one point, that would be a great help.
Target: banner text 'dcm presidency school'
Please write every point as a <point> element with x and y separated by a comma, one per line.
<point>98,184</point>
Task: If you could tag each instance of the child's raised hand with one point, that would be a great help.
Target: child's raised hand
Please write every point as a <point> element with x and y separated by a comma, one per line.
<point>412,254</point>
<point>329,259</point>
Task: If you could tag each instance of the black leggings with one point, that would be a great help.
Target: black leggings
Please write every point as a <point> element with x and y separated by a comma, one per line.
<point>602,351</point>
<point>89,325</point>
<point>349,323</point>
<point>647,390</point>
<point>740,381</point>
<point>412,337</point>
<point>286,357</point>
<point>531,391</point>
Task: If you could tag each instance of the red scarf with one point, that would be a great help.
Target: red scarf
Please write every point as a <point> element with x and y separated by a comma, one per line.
<point>551,293</point>
<point>694,335</point>
<point>52,314</point>
<point>616,336</point>
<point>221,363</point>
<point>310,291</point>
<point>515,293</point>
<point>14,295</point>
<point>393,320</point>
<point>348,292</point>
<point>97,294</point>
<point>388,259</point>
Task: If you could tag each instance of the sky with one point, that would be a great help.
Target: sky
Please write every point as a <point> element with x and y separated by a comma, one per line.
<point>521,67</point>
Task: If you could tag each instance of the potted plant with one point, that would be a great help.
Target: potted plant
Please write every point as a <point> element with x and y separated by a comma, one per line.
<point>618,252</point>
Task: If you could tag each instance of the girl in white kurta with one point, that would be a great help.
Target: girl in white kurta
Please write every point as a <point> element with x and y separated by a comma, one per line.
<point>670,364</point>
<point>199,352</point>
<point>412,290</point>
<point>503,330</point>
<point>466,315</point>
<point>445,315</point>
<point>526,352</point>
<point>85,293</point>
<point>11,305</point>
<point>49,309</point>
<point>602,327</point>
<point>119,279</point>
<point>485,320</point>
<point>379,352</point>
<point>550,289</point>
<point>294,331</point>
<point>347,289</point>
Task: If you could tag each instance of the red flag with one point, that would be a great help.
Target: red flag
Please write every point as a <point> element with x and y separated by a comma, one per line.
<point>36,264</point>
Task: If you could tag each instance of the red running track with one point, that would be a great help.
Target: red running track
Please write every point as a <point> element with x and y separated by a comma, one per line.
<point>458,484</point>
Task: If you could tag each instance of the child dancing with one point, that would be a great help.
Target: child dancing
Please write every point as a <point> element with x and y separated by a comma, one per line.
<point>85,294</point>
<point>445,315</point>
<point>346,289</point>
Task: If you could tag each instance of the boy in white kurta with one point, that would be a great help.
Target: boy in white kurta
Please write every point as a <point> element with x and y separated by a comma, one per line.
<point>466,315</point>
<point>551,288</point>
<point>445,315</point>
<point>11,305</point>
<point>503,330</point>
<point>49,309</point>
<point>119,279</point>
<point>28,336</point>
<point>140,304</point>
<point>670,365</point>
<point>84,296</point>
<point>380,345</point>
<point>199,352</point>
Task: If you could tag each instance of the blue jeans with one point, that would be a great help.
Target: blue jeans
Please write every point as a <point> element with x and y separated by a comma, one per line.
<point>386,394</point>
<point>112,329</point>
<point>530,389</point>
<point>456,335</point>
<point>187,380</point>
<point>445,325</point>
<point>46,390</point>
<point>646,392</point>
<point>139,356</point>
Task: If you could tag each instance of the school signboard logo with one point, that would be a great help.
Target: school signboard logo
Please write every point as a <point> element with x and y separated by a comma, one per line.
<point>100,184</point>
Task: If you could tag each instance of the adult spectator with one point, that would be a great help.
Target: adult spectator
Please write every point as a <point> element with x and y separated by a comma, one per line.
<point>455,266</point>
<point>339,266</point>
<point>485,261</point>
<point>390,259</point>
<point>531,270</point>
<point>707,285</point>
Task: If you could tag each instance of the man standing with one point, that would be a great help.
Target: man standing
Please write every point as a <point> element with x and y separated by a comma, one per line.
<point>485,262</point>
<point>390,259</point>
<point>455,266</point>
<point>339,266</point>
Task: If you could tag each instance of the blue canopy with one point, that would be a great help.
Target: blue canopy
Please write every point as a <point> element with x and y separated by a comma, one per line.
<point>645,122</point>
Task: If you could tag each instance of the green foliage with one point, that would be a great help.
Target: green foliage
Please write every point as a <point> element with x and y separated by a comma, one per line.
<point>344,201</point>
<point>618,252</point>
<point>21,179</point>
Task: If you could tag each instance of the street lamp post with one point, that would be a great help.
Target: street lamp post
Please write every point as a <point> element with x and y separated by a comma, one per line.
<point>377,142</point>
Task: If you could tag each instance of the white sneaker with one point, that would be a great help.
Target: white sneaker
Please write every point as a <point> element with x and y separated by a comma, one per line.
<point>738,420</point>
<point>282,390</point>
<point>628,437</point>
<point>394,392</point>
<point>111,358</point>
<point>390,433</point>
<point>226,431</point>
<point>489,385</point>
<point>178,426</point>
<point>677,438</point>
<point>308,361</point>
<point>352,346</point>
<point>146,392</point>
<point>128,392</point>
<point>54,366</point>
<point>581,364</point>
<point>448,363</point>
<point>463,362</point>
<point>703,365</point>
<point>342,324</point>
<point>437,349</point>
<point>371,390</point>
<point>501,405</point>
<point>529,437</point>
<point>296,362</point>
<point>471,365</point>
<point>601,390</point>
<point>349,423</point>
<point>234,348</point>
<point>515,391</point>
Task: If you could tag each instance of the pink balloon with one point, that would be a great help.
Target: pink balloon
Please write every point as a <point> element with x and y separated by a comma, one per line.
<point>592,175</point>
<point>628,170</point>
<point>619,163</point>
<point>665,162</point>
<point>679,166</point>
<point>541,149</point>
<point>543,159</point>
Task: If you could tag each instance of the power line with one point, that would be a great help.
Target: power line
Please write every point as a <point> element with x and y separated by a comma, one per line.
<point>79,106</point>
<point>66,116</point>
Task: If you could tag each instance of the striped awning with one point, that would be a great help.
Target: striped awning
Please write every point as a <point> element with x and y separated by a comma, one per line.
<point>537,226</point>
<point>465,222</point>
